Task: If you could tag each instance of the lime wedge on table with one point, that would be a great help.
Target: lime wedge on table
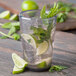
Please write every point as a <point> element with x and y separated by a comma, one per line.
<point>14,17</point>
<point>29,39</point>
<point>42,48</point>
<point>17,70</point>
<point>18,61</point>
<point>5,15</point>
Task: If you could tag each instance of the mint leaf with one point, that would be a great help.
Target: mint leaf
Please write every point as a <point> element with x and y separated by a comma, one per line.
<point>54,10</point>
<point>16,36</point>
<point>15,23</point>
<point>66,6</point>
<point>12,30</point>
<point>13,26</point>
<point>39,33</point>
<point>51,13</point>
<point>8,25</point>
<point>43,13</point>
<point>61,17</point>
<point>57,68</point>
<point>17,28</point>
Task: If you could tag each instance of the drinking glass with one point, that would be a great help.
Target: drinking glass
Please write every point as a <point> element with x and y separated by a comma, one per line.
<point>37,37</point>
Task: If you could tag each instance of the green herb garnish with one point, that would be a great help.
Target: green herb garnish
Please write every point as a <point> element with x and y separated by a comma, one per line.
<point>62,17</point>
<point>40,33</point>
<point>65,13</point>
<point>43,13</point>
<point>16,36</point>
<point>57,68</point>
<point>8,25</point>
<point>52,12</point>
<point>13,28</point>
<point>67,7</point>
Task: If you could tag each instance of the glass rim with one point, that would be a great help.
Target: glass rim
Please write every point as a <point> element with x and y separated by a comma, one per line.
<point>20,15</point>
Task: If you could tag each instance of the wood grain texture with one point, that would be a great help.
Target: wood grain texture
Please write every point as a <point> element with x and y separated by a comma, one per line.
<point>64,54</point>
<point>70,24</point>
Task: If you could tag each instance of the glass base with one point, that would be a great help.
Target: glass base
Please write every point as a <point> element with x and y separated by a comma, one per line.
<point>36,68</point>
<point>39,69</point>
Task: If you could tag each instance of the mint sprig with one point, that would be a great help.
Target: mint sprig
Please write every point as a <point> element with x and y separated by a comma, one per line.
<point>15,36</point>
<point>62,17</point>
<point>13,28</point>
<point>43,13</point>
<point>51,13</point>
<point>54,10</point>
<point>40,33</point>
<point>8,25</point>
<point>57,68</point>
<point>5,35</point>
<point>67,7</point>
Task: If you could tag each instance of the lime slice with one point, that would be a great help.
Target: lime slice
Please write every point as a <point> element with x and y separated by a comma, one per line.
<point>42,48</point>
<point>5,15</point>
<point>29,39</point>
<point>47,60</point>
<point>18,61</point>
<point>17,70</point>
<point>29,5</point>
<point>14,17</point>
<point>42,64</point>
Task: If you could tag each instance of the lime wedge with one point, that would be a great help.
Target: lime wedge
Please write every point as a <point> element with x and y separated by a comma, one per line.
<point>29,39</point>
<point>42,48</point>
<point>42,64</point>
<point>18,61</point>
<point>47,60</point>
<point>14,17</point>
<point>5,15</point>
<point>17,70</point>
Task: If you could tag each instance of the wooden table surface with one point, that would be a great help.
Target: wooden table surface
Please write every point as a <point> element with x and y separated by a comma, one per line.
<point>64,53</point>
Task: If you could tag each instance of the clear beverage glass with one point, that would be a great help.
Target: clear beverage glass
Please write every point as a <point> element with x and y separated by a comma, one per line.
<point>37,36</point>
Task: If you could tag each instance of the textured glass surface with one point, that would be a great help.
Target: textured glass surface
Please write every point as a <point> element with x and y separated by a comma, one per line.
<point>37,38</point>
